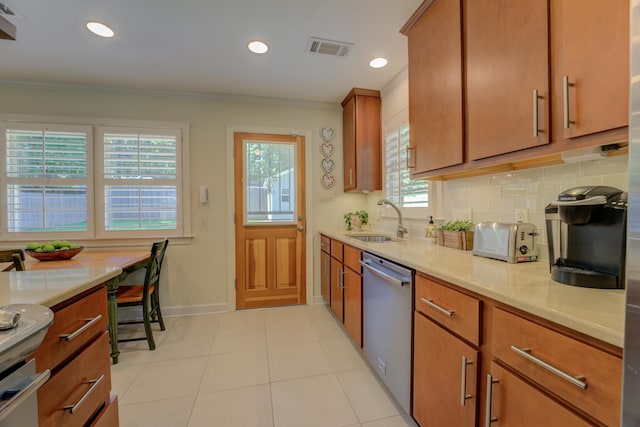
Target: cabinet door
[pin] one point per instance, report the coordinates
(595, 61)
(349, 143)
(440, 377)
(435, 88)
(507, 53)
(515, 403)
(337, 281)
(353, 305)
(325, 276)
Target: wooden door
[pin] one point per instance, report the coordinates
(337, 281)
(270, 220)
(507, 59)
(435, 88)
(516, 403)
(595, 61)
(439, 375)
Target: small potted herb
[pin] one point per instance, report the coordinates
(355, 220)
(456, 234)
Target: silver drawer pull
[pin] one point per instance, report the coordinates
(95, 383)
(23, 394)
(432, 304)
(578, 381)
(90, 323)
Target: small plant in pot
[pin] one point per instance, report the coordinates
(356, 220)
(456, 234)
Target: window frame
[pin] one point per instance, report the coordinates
(94, 236)
(393, 125)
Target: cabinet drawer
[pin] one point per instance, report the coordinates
(525, 345)
(325, 244)
(71, 384)
(108, 417)
(352, 258)
(55, 347)
(336, 249)
(456, 311)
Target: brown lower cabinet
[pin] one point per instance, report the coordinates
(480, 362)
(76, 350)
(445, 372)
(353, 304)
(513, 402)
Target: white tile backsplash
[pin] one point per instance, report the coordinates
(495, 197)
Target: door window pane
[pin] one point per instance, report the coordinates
(269, 182)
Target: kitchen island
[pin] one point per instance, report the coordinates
(76, 347)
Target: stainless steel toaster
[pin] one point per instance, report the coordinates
(510, 242)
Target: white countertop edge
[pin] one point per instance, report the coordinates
(413, 253)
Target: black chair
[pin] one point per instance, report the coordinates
(146, 295)
(15, 257)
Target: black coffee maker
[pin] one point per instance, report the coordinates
(586, 235)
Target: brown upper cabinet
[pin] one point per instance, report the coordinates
(507, 76)
(362, 140)
(506, 84)
(435, 82)
(592, 67)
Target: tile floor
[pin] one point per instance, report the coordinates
(281, 367)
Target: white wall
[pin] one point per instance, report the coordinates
(197, 273)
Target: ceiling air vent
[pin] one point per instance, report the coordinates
(328, 47)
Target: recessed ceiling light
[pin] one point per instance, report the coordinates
(100, 29)
(378, 62)
(257, 46)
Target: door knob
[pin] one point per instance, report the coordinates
(300, 228)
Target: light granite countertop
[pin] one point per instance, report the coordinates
(50, 287)
(598, 313)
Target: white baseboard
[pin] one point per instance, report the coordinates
(318, 299)
(127, 314)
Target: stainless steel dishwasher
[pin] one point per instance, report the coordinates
(386, 323)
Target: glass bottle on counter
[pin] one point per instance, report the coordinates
(431, 231)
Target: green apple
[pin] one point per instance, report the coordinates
(39, 250)
(48, 248)
(73, 246)
(64, 248)
(33, 246)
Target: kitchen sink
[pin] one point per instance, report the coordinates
(373, 238)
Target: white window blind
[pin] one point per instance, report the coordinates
(400, 188)
(140, 181)
(47, 175)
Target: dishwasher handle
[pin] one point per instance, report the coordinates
(389, 278)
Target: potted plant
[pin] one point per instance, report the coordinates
(355, 220)
(456, 234)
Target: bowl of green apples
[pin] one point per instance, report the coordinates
(53, 251)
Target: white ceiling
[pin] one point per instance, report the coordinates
(200, 45)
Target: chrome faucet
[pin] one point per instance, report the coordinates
(400, 230)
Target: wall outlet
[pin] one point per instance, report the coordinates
(522, 215)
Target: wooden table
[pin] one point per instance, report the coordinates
(129, 260)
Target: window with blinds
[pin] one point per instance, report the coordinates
(139, 180)
(46, 175)
(58, 183)
(400, 188)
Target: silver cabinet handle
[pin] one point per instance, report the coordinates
(565, 99)
(536, 97)
(488, 419)
(411, 165)
(95, 383)
(579, 381)
(340, 277)
(463, 386)
(442, 310)
(25, 393)
(90, 323)
(350, 176)
(390, 279)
